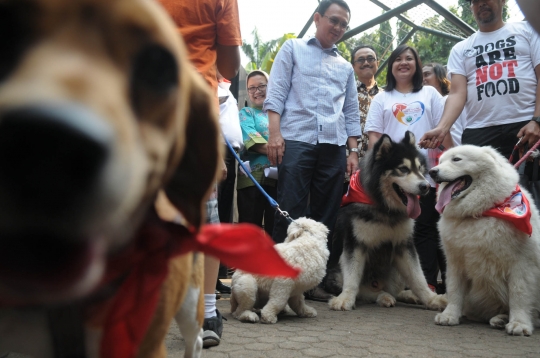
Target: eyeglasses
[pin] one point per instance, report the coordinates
(361, 60)
(254, 89)
(333, 21)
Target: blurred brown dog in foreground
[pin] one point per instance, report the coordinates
(99, 111)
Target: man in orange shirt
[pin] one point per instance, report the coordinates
(211, 31)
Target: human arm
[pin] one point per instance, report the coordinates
(260, 148)
(352, 159)
(228, 60)
(229, 39)
(278, 91)
(375, 122)
(252, 138)
(276, 143)
(531, 131)
(531, 9)
(452, 109)
(373, 137)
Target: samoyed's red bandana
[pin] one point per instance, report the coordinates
(356, 193)
(515, 209)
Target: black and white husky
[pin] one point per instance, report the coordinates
(379, 257)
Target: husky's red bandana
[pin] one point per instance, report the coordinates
(356, 193)
(515, 209)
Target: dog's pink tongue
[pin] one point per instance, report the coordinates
(445, 196)
(413, 206)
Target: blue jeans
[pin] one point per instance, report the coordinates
(309, 174)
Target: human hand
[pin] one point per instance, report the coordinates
(432, 139)
(530, 133)
(275, 148)
(352, 163)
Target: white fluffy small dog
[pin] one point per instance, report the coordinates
(304, 248)
(493, 269)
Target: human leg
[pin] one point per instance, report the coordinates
(426, 238)
(213, 325)
(294, 180)
(325, 200)
(226, 189)
(250, 209)
(269, 211)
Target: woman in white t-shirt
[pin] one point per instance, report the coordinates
(408, 105)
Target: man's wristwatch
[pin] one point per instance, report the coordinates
(536, 119)
(355, 150)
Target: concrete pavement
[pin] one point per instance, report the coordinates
(370, 330)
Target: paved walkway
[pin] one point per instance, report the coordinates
(370, 330)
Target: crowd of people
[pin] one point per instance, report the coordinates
(315, 116)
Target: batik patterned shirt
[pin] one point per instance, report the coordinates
(364, 100)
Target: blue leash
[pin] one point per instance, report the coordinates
(272, 202)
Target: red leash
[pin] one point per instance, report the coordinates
(525, 156)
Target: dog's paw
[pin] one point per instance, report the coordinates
(437, 303)
(247, 316)
(407, 296)
(267, 317)
(516, 328)
(341, 303)
(308, 312)
(444, 319)
(386, 300)
(499, 321)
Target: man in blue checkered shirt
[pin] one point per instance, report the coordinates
(313, 112)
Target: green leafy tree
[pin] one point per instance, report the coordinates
(432, 48)
(261, 54)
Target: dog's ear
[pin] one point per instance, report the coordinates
(192, 181)
(383, 147)
(409, 139)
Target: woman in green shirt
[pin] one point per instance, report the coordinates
(253, 206)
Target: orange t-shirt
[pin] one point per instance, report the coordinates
(204, 24)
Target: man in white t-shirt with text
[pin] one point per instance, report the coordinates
(494, 75)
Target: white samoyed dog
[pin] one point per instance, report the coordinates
(493, 268)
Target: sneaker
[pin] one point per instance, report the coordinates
(221, 287)
(212, 330)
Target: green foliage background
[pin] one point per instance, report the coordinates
(431, 48)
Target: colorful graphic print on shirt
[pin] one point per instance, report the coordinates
(495, 63)
(408, 114)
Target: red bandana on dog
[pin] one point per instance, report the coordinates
(243, 246)
(356, 193)
(516, 209)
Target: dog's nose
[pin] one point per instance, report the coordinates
(424, 187)
(433, 173)
(51, 154)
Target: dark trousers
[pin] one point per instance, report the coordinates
(427, 240)
(309, 173)
(502, 137)
(226, 189)
(253, 206)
